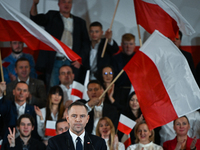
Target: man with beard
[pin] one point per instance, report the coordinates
(25, 125)
(17, 52)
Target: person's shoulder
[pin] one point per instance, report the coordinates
(34, 80)
(132, 147)
(59, 137)
(76, 18)
(117, 56)
(11, 84)
(37, 142)
(6, 59)
(157, 146)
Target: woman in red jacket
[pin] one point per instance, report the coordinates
(182, 141)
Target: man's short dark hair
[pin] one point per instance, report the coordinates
(20, 82)
(77, 103)
(95, 81)
(60, 120)
(96, 24)
(64, 66)
(180, 34)
(32, 120)
(21, 59)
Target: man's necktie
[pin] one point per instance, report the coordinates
(79, 145)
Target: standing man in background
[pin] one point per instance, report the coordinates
(71, 30)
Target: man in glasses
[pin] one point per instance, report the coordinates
(97, 44)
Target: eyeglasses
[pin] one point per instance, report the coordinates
(108, 73)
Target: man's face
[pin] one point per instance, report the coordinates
(95, 33)
(62, 127)
(128, 47)
(16, 46)
(77, 118)
(21, 92)
(177, 41)
(25, 127)
(65, 6)
(94, 90)
(66, 76)
(23, 69)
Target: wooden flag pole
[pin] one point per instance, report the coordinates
(2, 77)
(140, 40)
(106, 42)
(119, 74)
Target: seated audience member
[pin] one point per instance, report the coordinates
(17, 52)
(37, 95)
(76, 137)
(61, 126)
(97, 45)
(25, 125)
(11, 110)
(53, 111)
(106, 130)
(123, 84)
(101, 109)
(167, 132)
(144, 138)
(132, 111)
(182, 140)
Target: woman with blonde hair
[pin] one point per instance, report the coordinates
(106, 130)
(53, 111)
(144, 138)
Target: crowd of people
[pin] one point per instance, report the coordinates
(28, 102)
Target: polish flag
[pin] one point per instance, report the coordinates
(14, 26)
(77, 89)
(50, 128)
(163, 81)
(127, 143)
(161, 15)
(125, 124)
(5, 64)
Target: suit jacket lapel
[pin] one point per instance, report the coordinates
(87, 142)
(69, 142)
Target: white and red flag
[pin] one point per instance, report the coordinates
(163, 81)
(125, 124)
(161, 15)
(14, 26)
(1, 141)
(50, 128)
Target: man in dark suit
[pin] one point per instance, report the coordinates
(37, 89)
(76, 138)
(11, 110)
(101, 109)
(71, 30)
(97, 45)
(25, 125)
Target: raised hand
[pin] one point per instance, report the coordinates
(194, 141)
(108, 35)
(35, 2)
(38, 112)
(2, 88)
(116, 142)
(179, 143)
(11, 137)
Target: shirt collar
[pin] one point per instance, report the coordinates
(16, 56)
(27, 81)
(22, 106)
(74, 136)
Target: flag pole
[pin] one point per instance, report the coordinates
(140, 40)
(2, 77)
(106, 42)
(119, 74)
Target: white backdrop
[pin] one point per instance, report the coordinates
(102, 11)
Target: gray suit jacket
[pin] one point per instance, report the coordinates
(36, 89)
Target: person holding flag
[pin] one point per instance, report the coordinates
(71, 30)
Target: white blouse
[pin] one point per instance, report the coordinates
(120, 145)
(150, 146)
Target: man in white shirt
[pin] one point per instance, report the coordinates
(76, 138)
(11, 110)
(97, 44)
(37, 95)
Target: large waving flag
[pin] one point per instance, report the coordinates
(162, 80)
(14, 26)
(161, 15)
